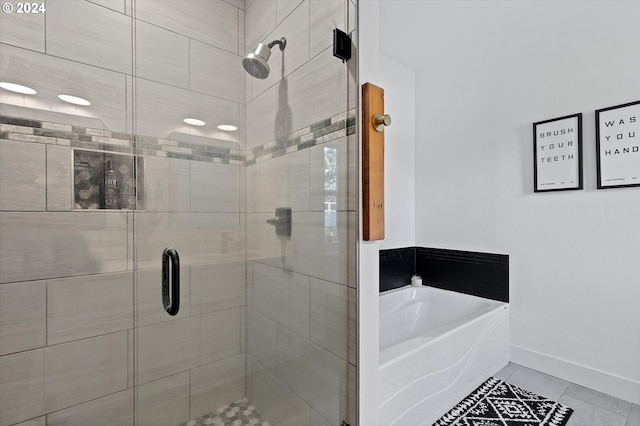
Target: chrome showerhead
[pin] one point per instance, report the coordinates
(256, 62)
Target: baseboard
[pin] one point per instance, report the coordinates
(601, 381)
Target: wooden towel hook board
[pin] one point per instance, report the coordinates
(373, 121)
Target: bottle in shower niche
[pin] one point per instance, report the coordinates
(110, 187)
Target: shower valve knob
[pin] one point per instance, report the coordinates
(380, 121)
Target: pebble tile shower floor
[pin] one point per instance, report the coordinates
(237, 413)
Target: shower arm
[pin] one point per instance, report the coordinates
(281, 43)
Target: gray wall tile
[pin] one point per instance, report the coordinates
(214, 23)
(112, 410)
(217, 286)
(161, 110)
(167, 184)
(352, 173)
(352, 394)
(51, 76)
(22, 176)
(260, 17)
(237, 3)
(316, 90)
(207, 61)
(285, 7)
(59, 178)
(198, 237)
(117, 5)
(282, 296)
(219, 335)
(215, 187)
(49, 245)
(274, 400)
(90, 34)
(352, 327)
(22, 29)
(261, 122)
(23, 308)
(313, 373)
(88, 306)
(280, 182)
(157, 359)
(216, 385)
(329, 314)
(149, 303)
(21, 386)
(84, 370)
(241, 38)
(325, 15)
(262, 339)
(40, 421)
(164, 402)
(262, 242)
(162, 55)
(295, 28)
(319, 245)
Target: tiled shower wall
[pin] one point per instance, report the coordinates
(302, 154)
(82, 332)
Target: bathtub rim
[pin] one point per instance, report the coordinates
(387, 361)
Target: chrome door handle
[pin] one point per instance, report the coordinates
(171, 281)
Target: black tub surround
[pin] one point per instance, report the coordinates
(479, 274)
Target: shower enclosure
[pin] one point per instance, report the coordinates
(170, 144)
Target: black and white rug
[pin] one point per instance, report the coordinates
(498, 403)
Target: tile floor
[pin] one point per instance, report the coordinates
(591, 408)
(239, 413)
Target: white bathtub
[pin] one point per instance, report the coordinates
(436, 347)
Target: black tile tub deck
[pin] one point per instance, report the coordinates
(479, 274)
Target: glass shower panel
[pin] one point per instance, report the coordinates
(91, 196)
(187, 70)
(66, 266)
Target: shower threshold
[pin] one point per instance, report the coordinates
(239, 413)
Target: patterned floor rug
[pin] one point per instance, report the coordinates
(498, 403)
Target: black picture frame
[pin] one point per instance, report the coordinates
(618, 145)
(557, 154)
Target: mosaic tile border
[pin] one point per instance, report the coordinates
(336, 127)
(24, 130)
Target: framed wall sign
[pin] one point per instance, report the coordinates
(557, 154)
(618, 145)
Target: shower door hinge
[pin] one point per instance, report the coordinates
(344, 423)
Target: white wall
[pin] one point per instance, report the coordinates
(574, 255)
(398, 83)
(368, 264)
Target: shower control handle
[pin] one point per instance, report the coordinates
(282, 221)
(380, 121)
(171, 281)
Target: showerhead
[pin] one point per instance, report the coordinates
(256, 62)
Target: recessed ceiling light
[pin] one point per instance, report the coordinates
(17, 88)
(194, 122)
(227, 128)
(74, 100)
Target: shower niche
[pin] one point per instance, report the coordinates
(107, 181)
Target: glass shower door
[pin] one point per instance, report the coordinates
(190, 361)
